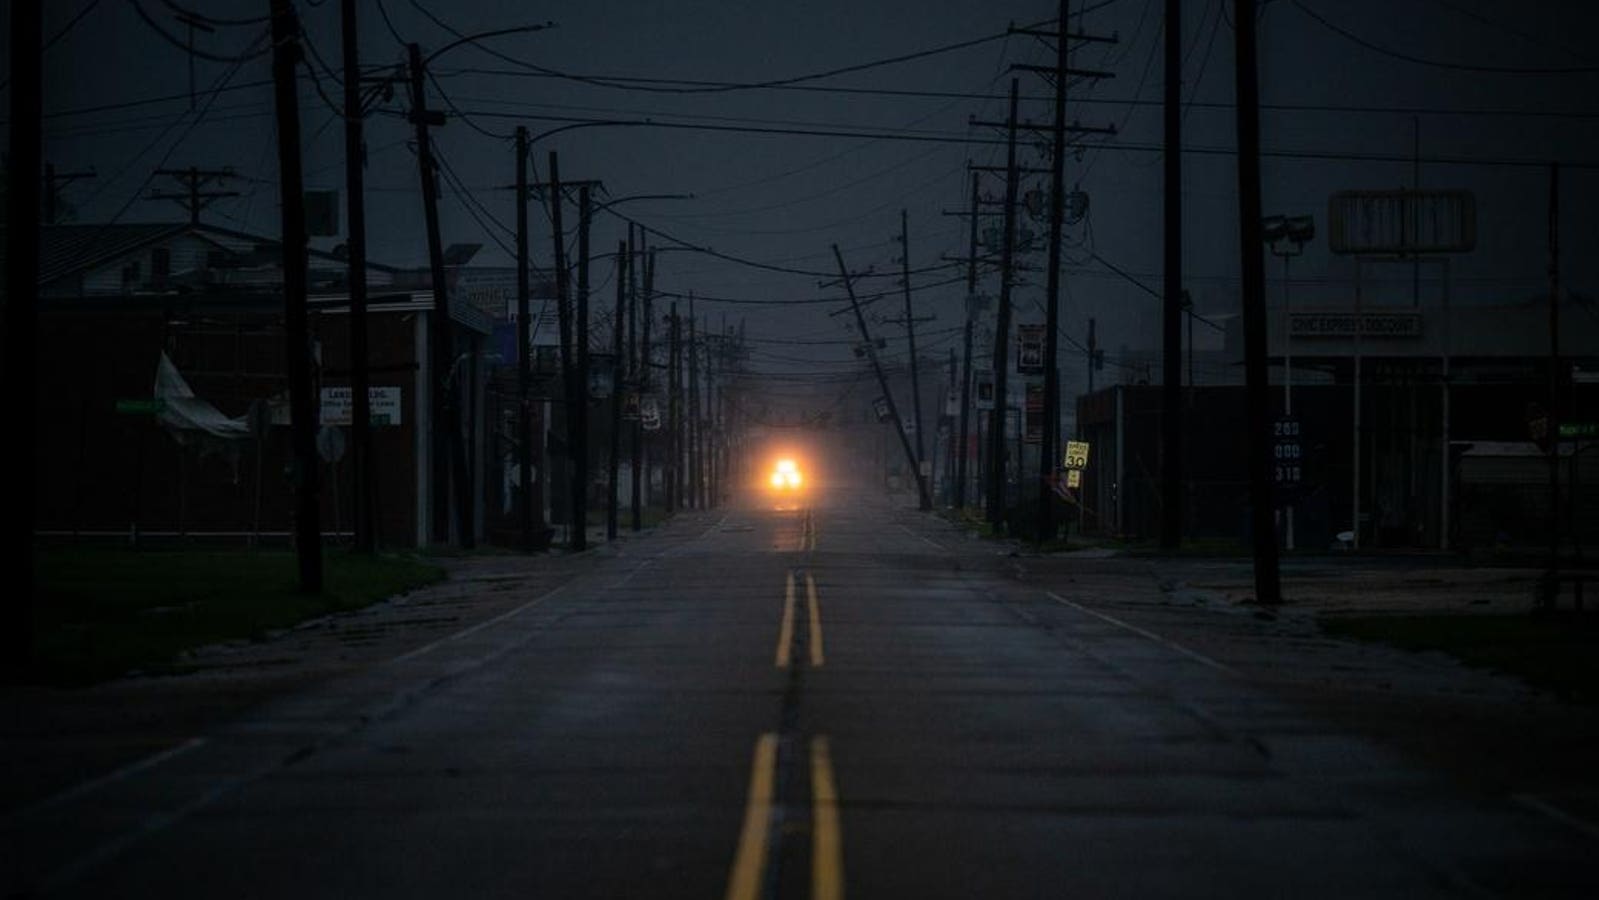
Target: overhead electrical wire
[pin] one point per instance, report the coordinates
(724, 87)
(1391, 53)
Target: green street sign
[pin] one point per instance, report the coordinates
(1575, 430)
(144, 407)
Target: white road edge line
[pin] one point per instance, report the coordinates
(110, 778)
(922, 537)
(1588, 829)
(474, 629)
(1200, 658)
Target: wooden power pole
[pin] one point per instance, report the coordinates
(1268, 589)
(296, 325)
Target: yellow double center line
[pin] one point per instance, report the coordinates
(754, 840)
(807, 537)
(785, 632)
(749, 876)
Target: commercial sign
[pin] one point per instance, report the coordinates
(1029, 349)
(338, 404)
(984, 388)
(1402, 222)
(1287, 454)
(1571, 431)
(489, 292)
(1365, 324)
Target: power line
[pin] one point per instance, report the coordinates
(1436, 63)
(189, 49)
(723, 87)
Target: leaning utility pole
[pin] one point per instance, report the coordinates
(576, 394)
(910, 336)
(20, 356)
(529, 505)
(1171, 414)
(296, 326)
(355, 200)
(1268, 589)
(618, 376)
(966, 350)
(882, 381)
(996, 427)
(440, 333)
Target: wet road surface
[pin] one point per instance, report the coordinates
(840, 698)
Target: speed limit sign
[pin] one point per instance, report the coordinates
(1076, 455)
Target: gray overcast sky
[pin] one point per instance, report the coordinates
(785, 198)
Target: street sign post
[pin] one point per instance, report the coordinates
(1076, 456)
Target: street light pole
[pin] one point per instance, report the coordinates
(1287, 236)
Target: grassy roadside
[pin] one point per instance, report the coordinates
(1555, 651)
(105, 611)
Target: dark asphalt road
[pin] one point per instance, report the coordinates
(848, 699)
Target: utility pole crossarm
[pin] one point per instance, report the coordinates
(1025, 125)
(1070, 36)
(1051, 70)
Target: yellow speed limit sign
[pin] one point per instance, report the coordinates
(1076, 454)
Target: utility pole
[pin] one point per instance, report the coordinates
(674, 414)
(882, 382)
(296, 326)
(1552, 584)
(20, 359)
(440, 332)
(1268, 589)
(618, 378)
(530, 505)
(1057, 199)
(949, 450)
(1057, 74)
(193, 22)
(1093, 353)
(642, 379)
(966, 349)
(695, 500)
(1171, 417)
(910, 335)
(355, 199)
(576, 394)
(192, 197)
(996, 427)
(579, 415)
(53, 183)
(708, 432)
